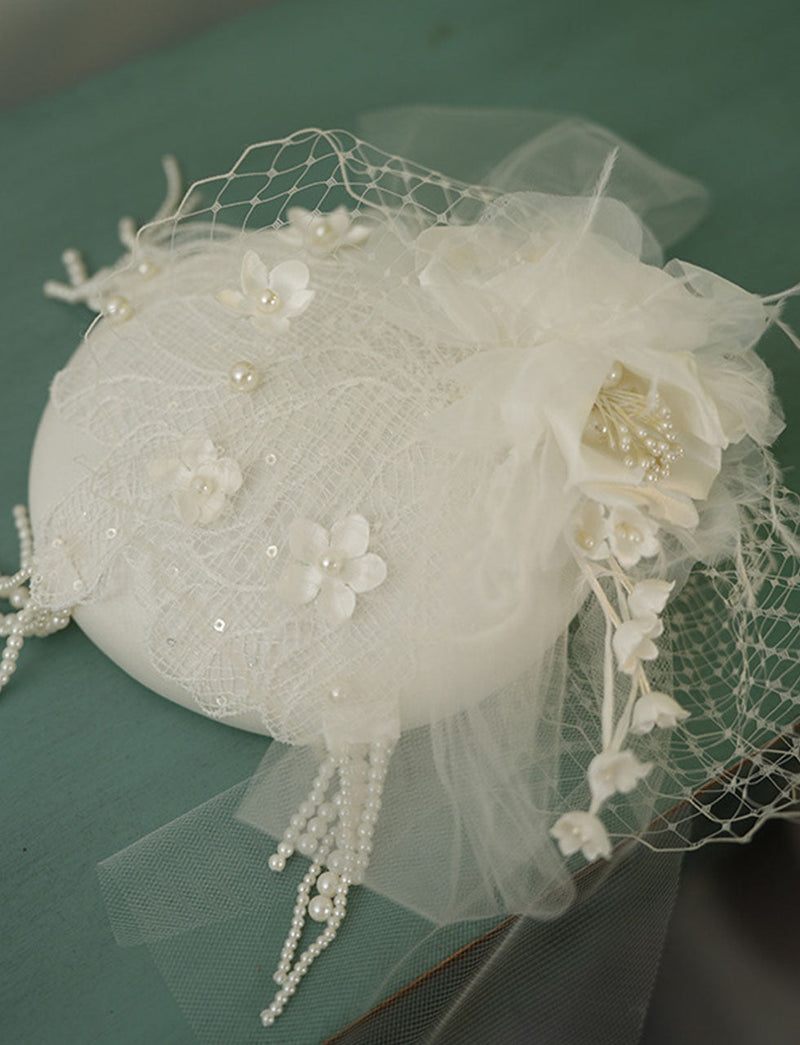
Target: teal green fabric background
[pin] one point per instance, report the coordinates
(90, 761)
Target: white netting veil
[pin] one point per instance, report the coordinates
(453, 490)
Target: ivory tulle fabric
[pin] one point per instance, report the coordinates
(394, 523)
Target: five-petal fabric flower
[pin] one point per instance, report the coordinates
(615, 771)
(332, 568)
(584, 831)
(270, 297)
(323, 233)
(202, 480)
(631, 536)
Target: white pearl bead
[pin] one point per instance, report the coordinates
(147, 269)
(203, 486)
(322, 231)
(628, 533)
(117, 308)
(285, 850)
(320, 908)
(19, 598)
(328, 883)
(307, 845)
(244, 376)
(613, 377)
(268, 301)
(306, 809)
(339, 860)
(585, 540)
(276, 862)
(317, 826)
(330, 564)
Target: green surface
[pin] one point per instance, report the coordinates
(90, 761)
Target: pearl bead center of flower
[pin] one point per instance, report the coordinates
(626, 532)
(203, 486)
(322, 231)
(268, 301)
(331, 564)
(586, 540)
(635, 424)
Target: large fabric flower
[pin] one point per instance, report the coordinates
(269, 297)
(624, 366)
(332, 568)
(202, 480)
(581, 831)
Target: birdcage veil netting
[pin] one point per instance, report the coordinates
(439, 340)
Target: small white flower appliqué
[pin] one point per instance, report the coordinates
(656, 709)
(270, 297)
(611, 772)
(632, 536)
(649, 597)
(201, 479)
(633, 641)
(589, 531)
(323, 233)
(584, 831)
(332, 568)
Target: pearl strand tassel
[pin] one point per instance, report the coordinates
(346, 822)
(29, 619)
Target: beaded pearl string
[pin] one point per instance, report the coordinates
(337, 834)
(29, 619)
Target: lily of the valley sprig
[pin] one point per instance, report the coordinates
(607, 543)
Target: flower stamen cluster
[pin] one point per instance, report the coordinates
(634, 425)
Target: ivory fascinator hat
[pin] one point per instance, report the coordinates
(450, 486)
